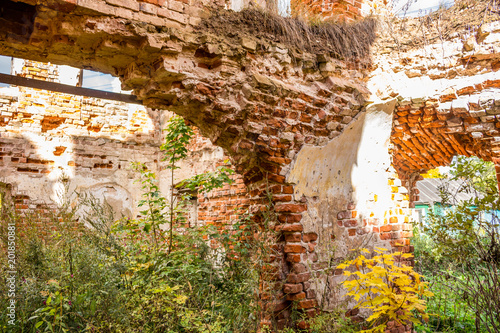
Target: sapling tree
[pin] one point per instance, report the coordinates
(390, 290)
(159, 210)
(175, 149)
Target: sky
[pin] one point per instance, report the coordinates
(419, 7)
(416, 8)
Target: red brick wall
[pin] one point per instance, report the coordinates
(335, 10)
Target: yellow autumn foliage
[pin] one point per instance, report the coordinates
(392, 292)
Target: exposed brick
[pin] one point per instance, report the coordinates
(294, 248)
(292, 257)
(343, 215)
(385, 228)
(299, 268)
(289, 288)
(296, 297)
(310, 237)
(297, 278)
(130, 4)
(307, 304)
(350, 223)
(290, 208)
(293, 237)
(385, 236)
(290, 228)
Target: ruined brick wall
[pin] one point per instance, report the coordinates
(338, 10)
(267, 105)
(220, 207)
(314, 130)
(46, 137)
(447, 91)
(92, 142)
(50, 140)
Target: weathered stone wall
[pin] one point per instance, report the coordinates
(314, 130)
(267, 105)
(48, 138)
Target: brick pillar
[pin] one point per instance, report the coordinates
(284, 276)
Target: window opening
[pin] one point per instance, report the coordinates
(5, 68)
(190, 200)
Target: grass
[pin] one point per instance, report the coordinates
(349, 41)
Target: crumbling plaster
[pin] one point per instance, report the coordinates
(349, 171)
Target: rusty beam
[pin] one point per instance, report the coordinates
(67, 89)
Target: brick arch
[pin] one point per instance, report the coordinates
(258, 100)
(427, 134)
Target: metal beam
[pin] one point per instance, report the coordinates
(67, 89)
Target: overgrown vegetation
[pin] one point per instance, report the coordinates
(154, 274)
(459, 252)
(141, 275)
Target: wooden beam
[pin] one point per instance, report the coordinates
(67, 89)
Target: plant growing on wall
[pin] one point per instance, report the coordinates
(392, 292)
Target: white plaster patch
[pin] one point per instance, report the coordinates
(353, 165)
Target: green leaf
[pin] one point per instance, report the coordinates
(93, 307)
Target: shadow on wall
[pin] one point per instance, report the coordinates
(39, 167)
(51, 139)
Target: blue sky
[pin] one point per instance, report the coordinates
(419, 7)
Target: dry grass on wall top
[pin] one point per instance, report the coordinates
(349, 41)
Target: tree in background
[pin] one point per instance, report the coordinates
(460, 249)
